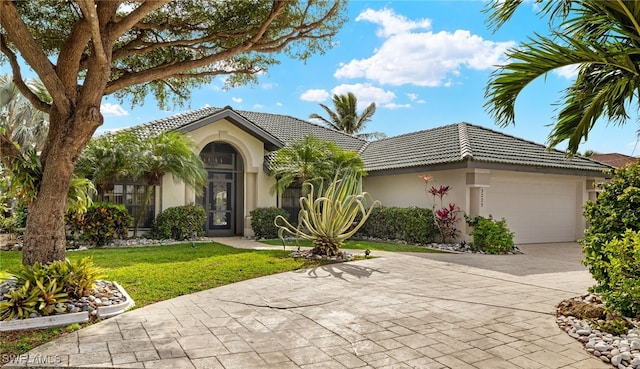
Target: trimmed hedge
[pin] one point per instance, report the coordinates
(179, 223)
(413, 225)
(262, 222)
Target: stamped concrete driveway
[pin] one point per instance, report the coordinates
(396, 311)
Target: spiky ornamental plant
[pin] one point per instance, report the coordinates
(329, 216)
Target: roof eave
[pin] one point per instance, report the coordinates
(271, 142)
(475, 164)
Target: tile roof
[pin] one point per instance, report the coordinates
(614, 159)
(286, 128)
(455, 143)
(464, 141)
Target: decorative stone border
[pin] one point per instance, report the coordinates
(109, 311)
(103, 312)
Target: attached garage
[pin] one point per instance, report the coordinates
(537, 209)
(539, 192)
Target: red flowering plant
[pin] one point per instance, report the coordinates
(446, 217)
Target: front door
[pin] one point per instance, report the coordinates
(223, 197)
(219, 201)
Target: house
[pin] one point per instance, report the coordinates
(539, 192)
(614, 159)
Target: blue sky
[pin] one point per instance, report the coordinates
(424, 63)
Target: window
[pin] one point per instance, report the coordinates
(131, 195)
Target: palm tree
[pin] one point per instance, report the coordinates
(109, 158)
(346, 119)
(20, 121)
(168, 152)
(22, 127)
(600, 38)
(311, 160)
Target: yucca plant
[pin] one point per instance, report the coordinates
(329, 216)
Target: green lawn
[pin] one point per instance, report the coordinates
(155, 273)
(360, 245)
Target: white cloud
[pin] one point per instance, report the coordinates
(113, 110)
(366, 94)
(278, 104)
(393, 106)
(258, 106)
(392, 23)
(568, 72)
(424, 58)
(237, 100)
(269, 86)
(415, 98)
(317, 95)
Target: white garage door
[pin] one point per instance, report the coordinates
(535, 211)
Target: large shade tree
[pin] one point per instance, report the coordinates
(83, 50)
(345, 117)
(600, 38)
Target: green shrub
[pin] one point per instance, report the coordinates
(413, 225)
(41, 287)
(20, 211)
(621, 292)
(179, 223)
(616, 211)
(20, 303)
(8, 224)
(262, 222)
(102, 223)
(77, 277)
(490, 236)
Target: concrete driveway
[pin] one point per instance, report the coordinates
(396, 311)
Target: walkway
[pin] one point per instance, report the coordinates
(396, 311)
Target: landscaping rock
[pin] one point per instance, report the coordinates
(622, 352)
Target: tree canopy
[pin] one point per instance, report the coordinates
(83, 50)
(600, 38)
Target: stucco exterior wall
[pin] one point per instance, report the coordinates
(407, 190)
(538, 207)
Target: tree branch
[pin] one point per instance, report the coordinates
(88, 8)
(124, 24)
(70, 55)
(17, 78)
(173, 68)
(19, 35)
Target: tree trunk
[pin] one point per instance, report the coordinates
(45, 239)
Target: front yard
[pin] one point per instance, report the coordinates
(156, 273)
